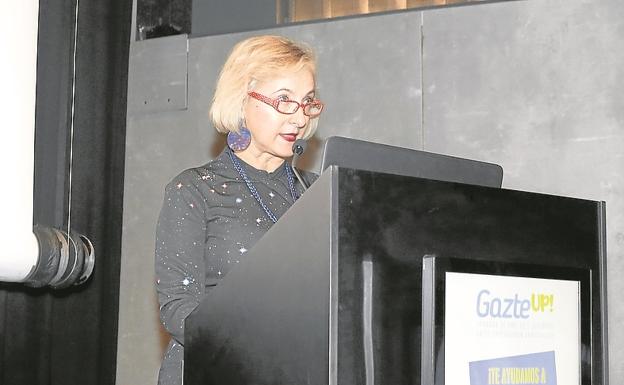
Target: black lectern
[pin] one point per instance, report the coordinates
(332, 293)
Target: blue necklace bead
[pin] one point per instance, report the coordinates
(254, 192)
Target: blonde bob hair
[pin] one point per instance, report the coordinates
(254, 60)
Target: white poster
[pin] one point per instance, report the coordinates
(511, 330)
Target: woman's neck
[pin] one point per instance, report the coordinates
(260, 160)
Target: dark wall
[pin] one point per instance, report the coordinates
(213, 17)
(69, 336)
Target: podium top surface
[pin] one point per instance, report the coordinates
(369, 156)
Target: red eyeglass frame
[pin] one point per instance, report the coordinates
(275, 102)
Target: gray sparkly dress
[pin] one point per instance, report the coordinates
(208, 222)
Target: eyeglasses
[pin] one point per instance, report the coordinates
(312, 108)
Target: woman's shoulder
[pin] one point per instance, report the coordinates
(213, 170)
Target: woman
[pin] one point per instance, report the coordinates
(212, 215)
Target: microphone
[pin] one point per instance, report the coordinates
(298, 149)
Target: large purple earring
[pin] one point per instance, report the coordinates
(238, 141)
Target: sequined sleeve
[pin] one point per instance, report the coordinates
(180, 240)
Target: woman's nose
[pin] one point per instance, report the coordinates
(298, 118)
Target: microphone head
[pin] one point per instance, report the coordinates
(299, 147)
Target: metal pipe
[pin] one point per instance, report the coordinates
(38, 256)
(18, 74)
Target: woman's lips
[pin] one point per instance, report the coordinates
(289, 137)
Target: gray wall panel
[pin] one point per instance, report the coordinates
(158, 68)
(535, 86)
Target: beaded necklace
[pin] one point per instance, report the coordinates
(252, 189)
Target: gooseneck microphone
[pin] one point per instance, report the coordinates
(298, 149)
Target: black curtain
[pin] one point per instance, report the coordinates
(69, 336)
